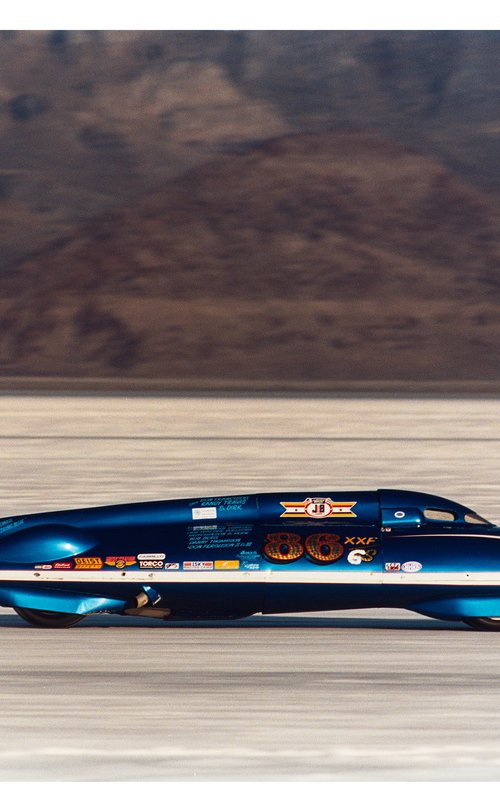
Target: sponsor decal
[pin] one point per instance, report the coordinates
(208, 537)
(8, 525)
(317, 508)
(63, 565)
(43, 566)
(411, 566)
(88, 563)
(150, 565)
(361, 556)
(198, 565)
(226, 565)
(392, 566)
(170, 565)
(151, 556)
(324, 547)
(204, 513)
(120, 561)
(361, 540)
(247, 565)
(283, 547)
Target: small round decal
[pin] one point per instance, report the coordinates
(399, 514)
(411, 566)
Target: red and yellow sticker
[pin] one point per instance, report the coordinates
(88, 563)
(120, 561)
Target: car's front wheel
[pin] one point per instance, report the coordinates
(485, 624)
(48, 620)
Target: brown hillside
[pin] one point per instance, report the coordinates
(89, 120)
(312, 256)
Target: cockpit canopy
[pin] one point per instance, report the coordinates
(410, 508)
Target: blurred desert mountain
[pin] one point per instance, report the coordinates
(91, 119)
(250, 205)
(311, 257)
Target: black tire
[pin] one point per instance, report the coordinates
(48, 620)
(484, 624)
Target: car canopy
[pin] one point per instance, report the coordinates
(399, 507)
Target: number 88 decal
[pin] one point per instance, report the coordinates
(322, 548)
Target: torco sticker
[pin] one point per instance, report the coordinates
(392, 567)
(151, 565)
(361, 556)
(88, 563)
(204, 513)
(198, 565)
(120, 561)
(317, 508)
(227, 565)
(411, 566)
(151, 556)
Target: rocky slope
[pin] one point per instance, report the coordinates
(91, 119)
(321, 256)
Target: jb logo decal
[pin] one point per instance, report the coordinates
(317, 508)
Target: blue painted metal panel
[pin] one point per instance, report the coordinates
(57, 600)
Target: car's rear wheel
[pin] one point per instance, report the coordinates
(48, 620)
(485, 624)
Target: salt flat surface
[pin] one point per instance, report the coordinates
(376, 695)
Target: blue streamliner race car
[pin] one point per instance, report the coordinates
(233, 556)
